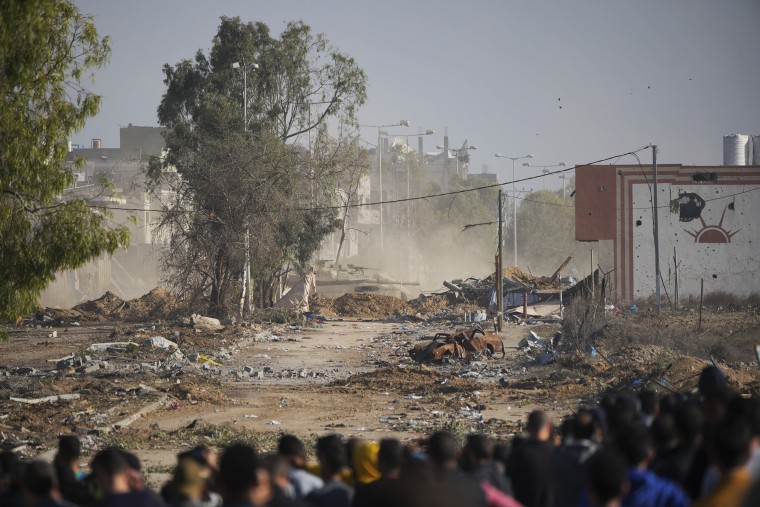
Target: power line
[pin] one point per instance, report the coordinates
(473, 189)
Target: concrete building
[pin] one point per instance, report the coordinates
(708, 221)
(130, 272)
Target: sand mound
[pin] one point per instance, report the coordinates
(370, 306)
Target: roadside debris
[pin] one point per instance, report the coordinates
(47, 399)
(159, 342)
(208, 324)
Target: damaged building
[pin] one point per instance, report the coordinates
(708, 221)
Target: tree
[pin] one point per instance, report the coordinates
(46, 47)
(271, 172)
(546, 233)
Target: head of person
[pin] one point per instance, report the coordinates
(442, 449)
(606, 478)
(243, 479)
(478, 449)
(206, 461)
(634, 442)
(331, 454)
(711, 380)
(134, 471)
(38, 481)
(190, 479)
(111, 471)
(586, 426)
(279, 471)
(539, 427)
(292, 449)
(9, 465)
(365, 462)
(69, 451)
(390, 457)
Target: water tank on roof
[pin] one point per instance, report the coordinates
(735, 149)
(756, 150)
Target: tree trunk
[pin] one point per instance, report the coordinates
(342, 238)
(218, 286)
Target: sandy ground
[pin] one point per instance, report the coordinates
(352, 377)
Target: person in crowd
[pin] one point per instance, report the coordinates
(581, 442)
(674, 463)
(478, 462)
(646, 488)
(191, 484)
(279, 475)
(649, 407)
(331, 454)
(302, 482)
(530, 464)
(117, 480)
(450, 480)
(386, 490)
(68, 473)
(364, 462)
(716, 396)
(10, 480)
(729, 448)
(39, 485)
(606, 483)
(244, 481)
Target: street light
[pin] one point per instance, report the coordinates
(457, 151)
(514, 198)
(245, 297)
(253, 66)
(544, 168)
(401, 123)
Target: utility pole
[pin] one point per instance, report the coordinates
(380, 167)
(656, 230)
(499, 269)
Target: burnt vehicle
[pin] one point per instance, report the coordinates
(464, 344)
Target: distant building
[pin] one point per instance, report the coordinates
(709, 227)
(130, 272)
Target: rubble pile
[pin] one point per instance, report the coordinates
(323, 305)
(519, 276)
(367, 306)
(157, 304)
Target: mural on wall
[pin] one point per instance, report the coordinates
(713, 230)
(713, 233)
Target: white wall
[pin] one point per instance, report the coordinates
(731, 266)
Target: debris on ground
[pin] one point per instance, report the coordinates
(157, 304)
(208, 324)
(462, 344)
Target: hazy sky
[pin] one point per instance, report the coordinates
(677, 73)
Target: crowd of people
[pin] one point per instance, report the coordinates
(632, 449)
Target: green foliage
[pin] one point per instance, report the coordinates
(232, 173)
(546, 234)
(46, 47)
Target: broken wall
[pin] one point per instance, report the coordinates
(709, 215)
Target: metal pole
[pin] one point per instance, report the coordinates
(380, 163)
(656, 231)
(701, 295)
(514, 212)
(675, 269)
(499, 270)
(245, 98)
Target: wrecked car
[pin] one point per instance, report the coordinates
(462, 344)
